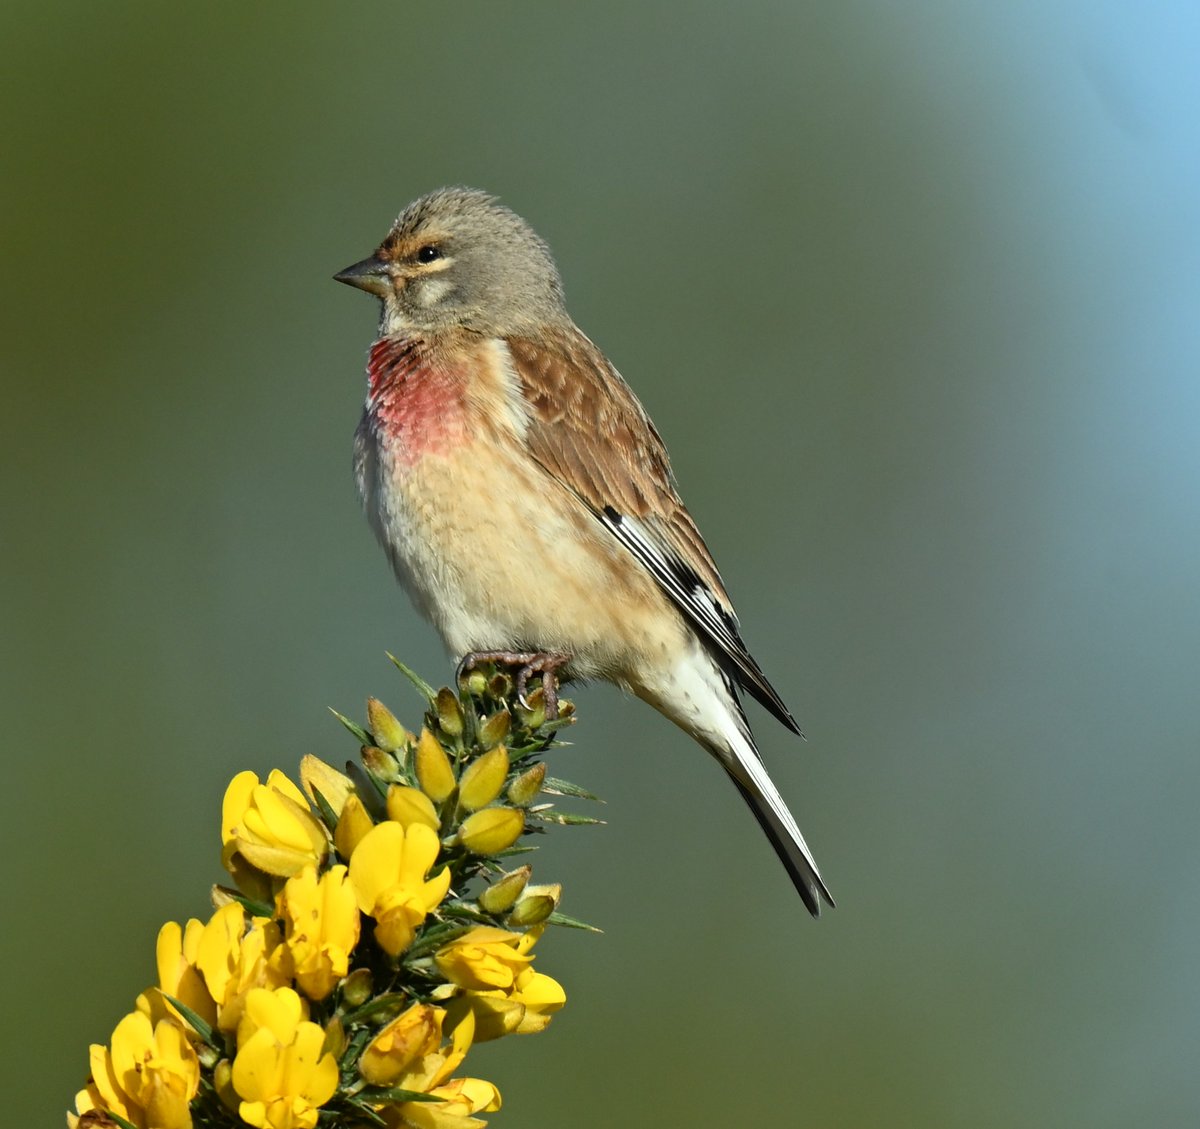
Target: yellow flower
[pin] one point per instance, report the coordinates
(270, 825)
(321, 920)
(281, 1010)
(519, 1001)
(388, 872)
(178, 975)
(234, 959)
(538, 996)
(483, 958)
(282, 1072)
(402, 1046)
(148, 1077)
(409, 1052)
(460, 1097)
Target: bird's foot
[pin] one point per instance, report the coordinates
(525, 663)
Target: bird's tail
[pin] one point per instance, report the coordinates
(698, 697)
(746, 770)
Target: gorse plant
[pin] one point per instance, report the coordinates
(373, 935)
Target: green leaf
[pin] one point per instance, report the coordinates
(327, 813)
(434, 938)
(465, 912)
(364, 738)
(363, 1110)
(557, 787)
(370, 791)
(564, 818)
(373, 1006)
(354, 1046)
(423, 688)
(200, 1026)
(119, 1120)
(394, 1095)
(557, 918)
(253, 908)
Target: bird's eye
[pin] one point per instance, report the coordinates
(429, 253)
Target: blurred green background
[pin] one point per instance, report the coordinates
(911, 290)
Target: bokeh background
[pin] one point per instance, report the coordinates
(912, 292)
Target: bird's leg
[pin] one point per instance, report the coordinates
(525, 663)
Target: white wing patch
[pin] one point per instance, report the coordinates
(693, 597)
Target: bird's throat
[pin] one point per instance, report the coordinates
(416, 398)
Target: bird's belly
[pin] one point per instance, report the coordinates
(500, 556)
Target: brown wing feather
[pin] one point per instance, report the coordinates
(590, 432)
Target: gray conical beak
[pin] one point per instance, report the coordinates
(370, 275)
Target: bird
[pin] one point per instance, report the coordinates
(526, 501)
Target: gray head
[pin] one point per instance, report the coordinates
(457, 257)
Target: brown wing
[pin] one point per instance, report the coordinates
(590, 432)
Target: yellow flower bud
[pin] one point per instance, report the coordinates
(434, 771)
(357, 987)
(535, 716)
(495, 729)
(223, 1084)
(317, 776)
(482, 781)
(389, 734)
(251, 881)
(536, 904)
(477, 683)
(410, 805)
(335, 1037)
(502, 893)
(381, 765)
(353, 824)
(449, 712)
(524, 790)
(492, 830)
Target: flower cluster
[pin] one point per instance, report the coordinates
(372, 937)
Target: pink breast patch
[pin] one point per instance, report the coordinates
(417, 400)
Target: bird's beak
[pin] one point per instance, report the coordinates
(370, 275)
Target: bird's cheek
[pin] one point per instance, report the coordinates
(432, 292)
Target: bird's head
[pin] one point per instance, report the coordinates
(458, 258)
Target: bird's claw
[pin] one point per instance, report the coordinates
(525, 663)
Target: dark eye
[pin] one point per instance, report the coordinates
(429, 253)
